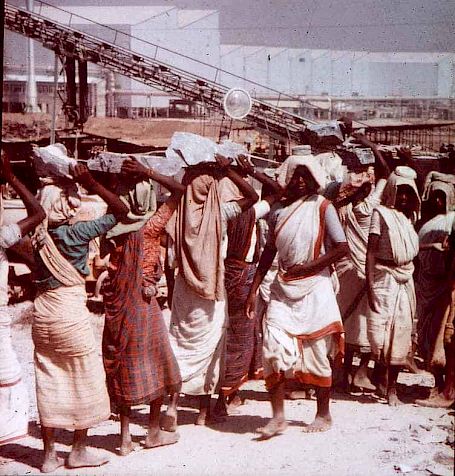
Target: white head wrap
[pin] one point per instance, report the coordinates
(60, 202)
(287, 169)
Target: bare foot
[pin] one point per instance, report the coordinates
(220, 409)
(392, 398)
(319, 424)
(296, 395)
(85, 458)
(273, 427)
(235, 402)
(363, 382)
(127, 448)
(169, 421)
(411, 365)
(51, 463)
(202, 418)
(162, 438)
(437, 401)
(381, 390)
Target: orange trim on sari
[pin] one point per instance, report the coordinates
(11, 384)
(311, 379)
(230, 390)
(273, 380)
(333, 328)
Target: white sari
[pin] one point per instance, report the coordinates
(390, 328)
(303, 313)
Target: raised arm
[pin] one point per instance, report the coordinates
(273, 185)
(82, 175)
(135, 169)
(35, 213)
(381, 169)
(250, 197)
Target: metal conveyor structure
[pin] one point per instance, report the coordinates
(67, 41)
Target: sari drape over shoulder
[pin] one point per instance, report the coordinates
(390, 328)
(302, 325)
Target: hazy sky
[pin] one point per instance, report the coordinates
(374, 25)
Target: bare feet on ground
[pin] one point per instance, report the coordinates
(300, 394)
(161, 438)
(363, 382)
(318, 425)
(274, 427)
(127, 447)
(436, 401)
(51, 463)
(85, 458)
(220, 411)
(235, 402)
(381, 390)
(392, 398)
(169, 421)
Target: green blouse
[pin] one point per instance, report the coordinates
(73, 243)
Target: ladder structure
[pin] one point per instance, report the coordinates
(67, 41)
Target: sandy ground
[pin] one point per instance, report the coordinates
(368, 437)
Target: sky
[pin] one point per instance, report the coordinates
(370, 25)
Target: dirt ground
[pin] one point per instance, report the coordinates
(368, 437)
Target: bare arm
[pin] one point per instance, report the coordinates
(35, 212)
(134, 168)
(316, 266)
(381, 168)
(263, 178)
(83, 176)
(373, 244)
(266, 260)
(250, 197)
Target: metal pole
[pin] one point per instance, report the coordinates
(32, 93)
(54, 99)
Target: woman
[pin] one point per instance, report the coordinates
(302, 325)
(139, 362)
(70, 381)
(352, 296)
(13, 391)
(433, 284)
(392, 246)
(199, 315)
(244, 336)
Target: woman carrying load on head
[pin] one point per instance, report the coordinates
(199, 315)
(13, 391)
(433, 278)
(392, 246)
(139, 362)
(302, 325)
(70, 379)
(355, 213)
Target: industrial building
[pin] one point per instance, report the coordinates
(316, 79)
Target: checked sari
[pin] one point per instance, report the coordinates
(138, 358)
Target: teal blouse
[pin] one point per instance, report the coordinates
(73, 243)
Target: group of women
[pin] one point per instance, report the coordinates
(323, 266)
